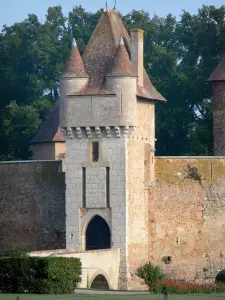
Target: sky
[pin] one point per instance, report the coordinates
(12, 11)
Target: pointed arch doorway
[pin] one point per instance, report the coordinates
(98, 234)
(100, 283)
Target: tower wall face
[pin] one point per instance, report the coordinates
(140, 172)
(68, 85)
(126, 95)
(102, 110)
(219, 117)
(112, 155)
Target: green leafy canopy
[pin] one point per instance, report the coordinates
(179, 56)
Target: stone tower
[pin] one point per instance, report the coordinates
(218, 100)
(107, 114)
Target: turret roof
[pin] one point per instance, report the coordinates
(122, 64)
(219, 73)
(99, 54)
(49, 131)
(74, 65)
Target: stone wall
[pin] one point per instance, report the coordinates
(186, 217)
(139, 169)
(32, 205)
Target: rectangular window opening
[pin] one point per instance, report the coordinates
(84, 187)
(166, 259)
(107, 187)
(95, 151)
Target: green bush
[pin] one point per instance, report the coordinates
(16, 251)
(53, 275)
(220, 277)
(150, 273)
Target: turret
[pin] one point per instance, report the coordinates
(74, 78)
(122, 80)
(218, 101)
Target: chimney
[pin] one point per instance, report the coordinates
(137, 54)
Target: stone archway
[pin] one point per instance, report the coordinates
(100, 283)
(98, 234)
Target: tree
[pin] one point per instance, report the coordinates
(32, 57)
(179, 57)
(20, 124)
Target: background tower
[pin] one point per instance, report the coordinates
(218, 101)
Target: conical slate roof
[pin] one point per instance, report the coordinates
(99, 54)
(74, 65)
(219, 73)
(49, 131)
(122, 64)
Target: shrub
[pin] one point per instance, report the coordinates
(39, 274)
(151, 274)
(16, 251)
(220, 277)
(185, 287)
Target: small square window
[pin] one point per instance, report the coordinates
(95, 151)
(166, 259)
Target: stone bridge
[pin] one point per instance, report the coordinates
(100, 268)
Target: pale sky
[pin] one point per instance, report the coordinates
(12, 11)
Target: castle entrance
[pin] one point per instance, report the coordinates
(100, 283)
(98, 234)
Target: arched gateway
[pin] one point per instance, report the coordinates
(100, 283)
(98, 234)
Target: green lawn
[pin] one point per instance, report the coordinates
(110, 297)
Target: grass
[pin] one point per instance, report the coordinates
(109, 297)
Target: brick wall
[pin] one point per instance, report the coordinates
(32, 205)
(186, 217)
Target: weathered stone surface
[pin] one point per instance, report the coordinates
(32, 205)
(187, 217)
(140, 173)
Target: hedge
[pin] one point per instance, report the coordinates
(40, 275)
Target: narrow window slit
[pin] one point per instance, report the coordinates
(107, 187)
(84, 187)
(95, 151)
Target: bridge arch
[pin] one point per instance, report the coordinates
(100, 282)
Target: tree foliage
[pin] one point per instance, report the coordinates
(179, 57)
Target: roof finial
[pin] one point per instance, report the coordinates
(106, 7)
(121, 43)
(114, 5)
(74, 43)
